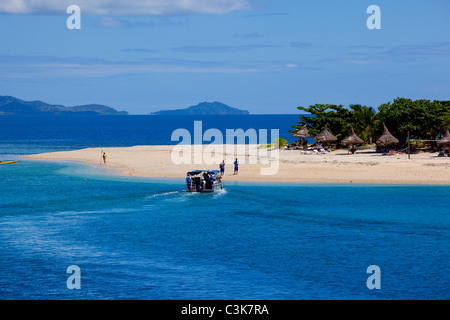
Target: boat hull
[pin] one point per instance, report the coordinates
(8, 162)
(216, 188)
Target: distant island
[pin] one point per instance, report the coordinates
(204, 108)
(10, 105)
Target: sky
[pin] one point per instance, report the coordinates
(267, 57)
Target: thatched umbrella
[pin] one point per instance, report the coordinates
(445, 139)
(352, 139)
(386, 138)
(325, 135)
(303, 133)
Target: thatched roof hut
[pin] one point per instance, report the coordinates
(386, 138)
(325, 135)
(445, 139)
(352, 139)
(302, 133)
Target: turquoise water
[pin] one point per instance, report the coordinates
(148, 239)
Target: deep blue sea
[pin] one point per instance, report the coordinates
(32, 134)
(142, 238)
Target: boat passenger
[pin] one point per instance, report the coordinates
(189, 182)
(211, 182)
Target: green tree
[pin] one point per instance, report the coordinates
(280, 142)
(446, 121)
(365, 121)
(446, 117)
(423, 119)
(338, 118)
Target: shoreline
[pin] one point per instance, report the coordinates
(364, 167)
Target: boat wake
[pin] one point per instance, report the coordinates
(220, 193)
(164, 194)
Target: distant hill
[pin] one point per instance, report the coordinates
(204, 108)
(11, 105)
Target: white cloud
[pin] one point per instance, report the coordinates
(112, 23)
(33, 67)
(124, 7)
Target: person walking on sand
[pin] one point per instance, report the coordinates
(236, 167)
(104, 158)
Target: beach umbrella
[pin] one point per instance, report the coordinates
(352, 139)
(325, 135)
(303, 133)
(386, 138)
(445, 139)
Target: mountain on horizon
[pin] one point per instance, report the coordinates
(204, 108)
(12, 105)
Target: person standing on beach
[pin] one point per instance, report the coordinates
(236, 167)
(104, 158)
(222, 168)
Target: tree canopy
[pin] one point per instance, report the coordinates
(338, 118)
(423, 119)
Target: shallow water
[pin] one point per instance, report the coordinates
(148, 239)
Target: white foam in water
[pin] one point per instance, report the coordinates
(163, 194)
(220, 193)
(106, 211)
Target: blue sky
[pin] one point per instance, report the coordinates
(262, 56)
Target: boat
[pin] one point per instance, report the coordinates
(8, 162)
(205, 181)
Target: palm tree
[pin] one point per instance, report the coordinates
(366, 120)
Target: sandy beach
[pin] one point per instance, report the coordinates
(293, 166)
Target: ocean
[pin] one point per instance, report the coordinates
(38, 134)
(145, 238)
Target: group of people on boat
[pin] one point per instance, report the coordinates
(208, 180)
(202, 180)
